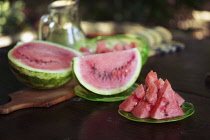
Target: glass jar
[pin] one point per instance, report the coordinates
(62, 24)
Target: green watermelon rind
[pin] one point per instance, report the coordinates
(142, 44)
(86, 85)
(41, 80)
(38, 78)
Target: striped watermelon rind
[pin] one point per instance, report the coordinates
(40, 78)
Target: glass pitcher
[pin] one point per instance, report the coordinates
(62, 24)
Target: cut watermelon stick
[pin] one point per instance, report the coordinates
(179, 99)
(142, 110)
(129, 104)
(156, 99)
(151, 78)
(167, 105)
(144, 107)
(139, 92)
(159, 83)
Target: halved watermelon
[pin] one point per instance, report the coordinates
(42, 64)
(108, 73)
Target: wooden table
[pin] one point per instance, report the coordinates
(81, 119)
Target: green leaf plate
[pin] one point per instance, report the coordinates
(84, 93)
(91, 44)
(187, 107)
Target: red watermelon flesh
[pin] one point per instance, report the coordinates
(179, 99)
(150, 78)
(108, 73)
(151, 94)
(85, 51)
(139, 92)
(166, 106)
(144, 107)
(142, 110)
(128, 46)
(160, 101)
(100, 67)
(44, 56)
(118, 47)
(159, 83)
(102, 48)
(129, 104)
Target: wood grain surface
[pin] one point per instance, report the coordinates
(29, 97)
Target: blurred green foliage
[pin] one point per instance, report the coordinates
(15, 15)
(11, 17)
(143, 11)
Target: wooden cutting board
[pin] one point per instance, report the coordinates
(29, 97)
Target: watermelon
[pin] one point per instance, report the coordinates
(159, 83)
(151, 78)
(166, 106)
(41, 64)
(160, 101)
(129, 104)
(139, 92)
(142, 110)
(103, 44)
(108, 73)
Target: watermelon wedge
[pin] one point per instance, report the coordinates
(129, 104)
(166, 106)
(151, 77)
(144, 107)
(108, 73)
(158, 100)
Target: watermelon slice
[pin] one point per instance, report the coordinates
(144, 107)
(101, 47)
(179, 99)
(159, 83)
(139, 92)
(151, 77)
(157, 100)
(118, 47)
(129, 104)
(108, 73)
(167, 105)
